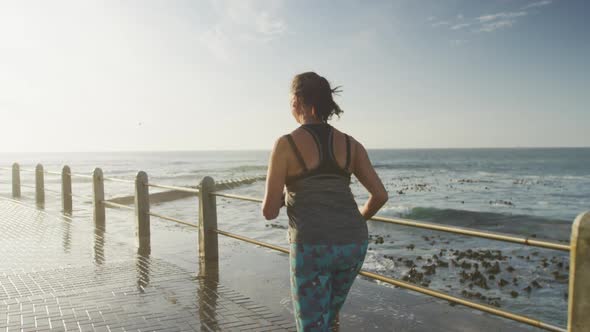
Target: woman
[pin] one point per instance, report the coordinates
(327, 231)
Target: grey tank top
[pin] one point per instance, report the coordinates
(320, 204)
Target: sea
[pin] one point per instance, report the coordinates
(533, 192)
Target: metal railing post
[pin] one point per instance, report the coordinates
(579, 283)
(142, 212)
(208, 251)
(15, 180)
(39, 185)
(98, 202)
(66, 189)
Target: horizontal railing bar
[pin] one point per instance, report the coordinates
(6, 168)
(426, 291)
(474, 232)
(30, 170)
(116, 205)
(52, 173)
(53, 191)
(163, 186)
(250, 240)
(27, 186)
(173, 219)
(119, 180)
(443, 228)
(80, 176)
(244, 198)
(467, 303)
(82, 197)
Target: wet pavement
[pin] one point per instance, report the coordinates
(61, 273)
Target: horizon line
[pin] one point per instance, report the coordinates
(268, 150)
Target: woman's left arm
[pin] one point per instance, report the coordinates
(275, 181)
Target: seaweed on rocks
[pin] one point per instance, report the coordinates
(465, 265)
(429, 269)
(494, 301)
(379, 240)
(559, 277)
(409, 263)
(481, 255)
(494, 269)
(476, 277)
(415, 277)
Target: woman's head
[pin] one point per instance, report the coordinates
(313, 96)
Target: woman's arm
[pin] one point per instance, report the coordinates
(275, 181)
(365, 173)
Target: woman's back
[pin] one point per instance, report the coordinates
(305, 137)
(328, 233)
(320, 204)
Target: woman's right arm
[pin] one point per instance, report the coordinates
(365, 173)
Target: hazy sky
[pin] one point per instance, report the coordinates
(189, 75)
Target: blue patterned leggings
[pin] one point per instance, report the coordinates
(321, 276)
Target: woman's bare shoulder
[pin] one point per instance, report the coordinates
(353, 141)
(282, 143)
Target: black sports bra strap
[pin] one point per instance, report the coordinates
(297, 153)
(317, 142)
(347, 152)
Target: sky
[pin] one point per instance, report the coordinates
(145, 75)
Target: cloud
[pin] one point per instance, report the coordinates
(241, 22)
(269, 26)
(503, 16)
(493, 26)
(493, 22)
(537, 4)
(488, 22)
(460, 26)
(440, 23)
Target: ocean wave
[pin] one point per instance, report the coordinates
(248, 168)
(520, 224)
(398, 210)
(409, 166)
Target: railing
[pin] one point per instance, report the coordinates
(579, 247)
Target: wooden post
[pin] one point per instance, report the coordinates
(142, 210)
(98, 202)
(208, 251)
(39, 185)
(15, 180)
(66, 190)
(579, 283)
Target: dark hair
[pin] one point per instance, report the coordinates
(315, 91)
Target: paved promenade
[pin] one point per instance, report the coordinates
(62, 274)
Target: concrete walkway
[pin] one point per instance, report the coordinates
(63, 274)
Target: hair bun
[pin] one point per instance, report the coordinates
(315, 91)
